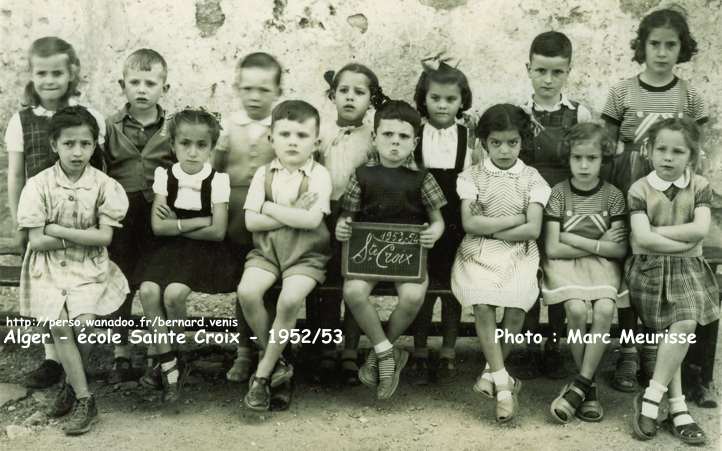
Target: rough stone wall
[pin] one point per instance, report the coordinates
(203, 39)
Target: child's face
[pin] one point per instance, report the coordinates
(443, 101)
(294, 141)
(394, 140)
(670, 155)
(585, 161)
(51, 76)
(548, 74)
(75, 147)
(192, 145)
(503, 148)
(352, 97)
(258, 90)
(143, 88)
(661, 50)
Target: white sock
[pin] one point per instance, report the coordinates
(173, 375)
(654, 392)
(678, 405)
(50, 353)
(383, 346)
(486, 374)
(502, 378)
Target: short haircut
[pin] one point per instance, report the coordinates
(503, 117)
(445, 74)
(664, 18)
(72, 116)
(144, 59)
(195, 116)
(687, 127)
(46, 47)
(551, 44)
(296, 111)
(377, 96)
(400, 111)
(588, 131)
(264, 61)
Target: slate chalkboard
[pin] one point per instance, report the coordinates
(378, 251)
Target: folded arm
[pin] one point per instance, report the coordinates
(553, 246)
(612, 244)
(164, 222)
(692, 231)
(484, 225)
(643, 236)
(217, 230)
(55, 236)
(529, 230)
(297, 218)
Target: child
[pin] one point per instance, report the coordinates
(633, 105)
(584, 232)
(69, 211)
(137, 144)
(189, 219)
(552, 114)
(502, 200)
(671, 285)
(243, 147)
(390, 192)
(55, 75)
(345, 145)
(284, 210)
(442, 96)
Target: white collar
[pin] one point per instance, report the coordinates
(242, 118)
(428, 128)
(516, 169)
(532, 105)
(180, 174)
(306, 168)
(42, 111)
(85, 181)
(662, 185)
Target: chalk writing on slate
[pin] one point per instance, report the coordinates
(378, 251)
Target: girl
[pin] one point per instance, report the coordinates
(584, 231)
(502, 201)
(633, 105)
(442, 96)
(69, 211)
(346, 145)
(190, 216)
(54, 77)
(671, 285)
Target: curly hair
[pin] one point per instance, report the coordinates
(585, 132)
(44, 48)
(195, 116)
(664, 18)
(445, 74)
(687, 127)
(377, 96)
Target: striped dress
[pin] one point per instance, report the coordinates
(490, 271)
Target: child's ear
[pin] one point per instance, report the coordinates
(53, 145)
(416, 142)
(166, 88)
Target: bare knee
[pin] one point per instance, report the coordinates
(684, 327)
(249, 298)
(175, 296)
(576, 311)
(603, 310)
(288, 306)
(149, 294)
(483, 310)
(354, 294)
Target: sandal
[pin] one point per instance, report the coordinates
(506, 408)
(691, 433)
(172, 392)
(484, 386)
(625, 375)
(241, 370)
(281, 397)
(644, 427)
(258, 397)
(591, 410)
(562, 409)
(349, 371)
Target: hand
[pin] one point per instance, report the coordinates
(617, 235)
(343, 229)
(430, 235)
(305, 201)
(163, 211)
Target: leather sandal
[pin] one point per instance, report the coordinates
(691, 433)
(562, 409)
(507, 408)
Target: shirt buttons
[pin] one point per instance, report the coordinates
(64, 292)
(71, 198)
(75, 214)
(63, 264)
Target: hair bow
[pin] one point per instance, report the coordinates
(434, 62)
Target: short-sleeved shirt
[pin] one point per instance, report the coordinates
(189, 186)
(538, 189)
(286, 184)
(586, 202)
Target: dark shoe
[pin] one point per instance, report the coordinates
(644, 427)
(525, 364)
(122, 371)
(152, 378)
(368, 374)
(706, 396)
(46, 375)
(419, 372)
(172, 394)
(625, 375)
(690, 434)
(349, 372)
(281, 397)
(553, 362)
(326, 371)
(64, 402)
(447, 373)
(258, 397)
(83, 417)
(388, 385)
(282, 373)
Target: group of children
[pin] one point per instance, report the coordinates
(184, 203)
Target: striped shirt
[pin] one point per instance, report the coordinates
(585, 202)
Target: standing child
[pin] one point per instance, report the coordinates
(189, 220)
(390, 192)
(442, 96)
(243, 147)
(552, 114)
(633, 106)
(672, 286)
(69, 211)
(345, 145)
(284, 209)
(54, 79)
(137, 144)
(584, 235)
(502, 201)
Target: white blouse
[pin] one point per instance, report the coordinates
(189, 186)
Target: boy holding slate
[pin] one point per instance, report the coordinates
(390, 190)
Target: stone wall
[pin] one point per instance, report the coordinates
(203, 39)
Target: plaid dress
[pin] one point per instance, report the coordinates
(80, 278)
(665, 289)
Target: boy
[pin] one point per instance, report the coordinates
(136, 145)
(552, 114)
(390, 192)
(243, 147)
(285, 206)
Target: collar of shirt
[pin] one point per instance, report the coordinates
(516, 169)
(531, 104)
(86, 180)
(158, 119)
(662, 185)
(193, 181)
(242, 118)
(42, 111)
(306, 168)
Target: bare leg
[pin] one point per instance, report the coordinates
(601, 322)
(254, 284)
(411, 297)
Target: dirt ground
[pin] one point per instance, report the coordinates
(428, 417)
